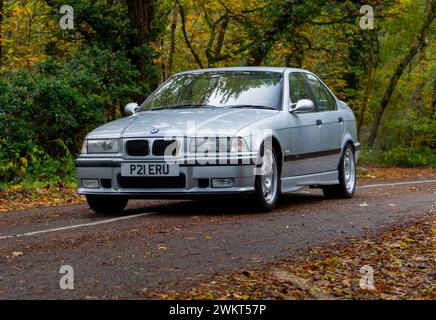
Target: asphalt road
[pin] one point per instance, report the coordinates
(173, 244)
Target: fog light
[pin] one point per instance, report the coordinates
(223, 183)
(90, 183)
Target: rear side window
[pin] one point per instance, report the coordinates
(297, 88)
(324, 99)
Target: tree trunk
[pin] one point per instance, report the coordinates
(416, 99)
(433, 102)
(217, 30)
(221, 35)
(1, 34)
(372, 65)
(399, 70)
(141, 15)
(365, 100)
(169, 69)
(185, 35)
(259, 52)
(212, 34)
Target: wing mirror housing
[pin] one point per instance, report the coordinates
(131, 108)
(303, 105)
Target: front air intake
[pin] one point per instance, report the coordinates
(160, 147)
(137, 148)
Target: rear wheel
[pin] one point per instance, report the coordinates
(347, 177)
(267, 182)
(106, 204)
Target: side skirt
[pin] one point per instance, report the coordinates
(290, 184)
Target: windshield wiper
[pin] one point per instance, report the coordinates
(186, 105)
(251, 106)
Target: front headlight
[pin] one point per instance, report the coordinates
(217, 145)
(208, 145)
(103, 146)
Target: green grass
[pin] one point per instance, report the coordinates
(401, 157)
(44, 173)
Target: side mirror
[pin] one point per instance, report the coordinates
(303, 105)
(131, 108)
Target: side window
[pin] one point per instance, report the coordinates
(323, 98)
(297, 87)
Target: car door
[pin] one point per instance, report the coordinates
(303, 135)
(332, 124)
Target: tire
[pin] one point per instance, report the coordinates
(347, 177)
(267, 186)
(106, 204)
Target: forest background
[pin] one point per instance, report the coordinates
(58, 83)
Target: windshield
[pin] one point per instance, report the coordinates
(237, 89)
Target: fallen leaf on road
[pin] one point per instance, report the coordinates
(402, 258)
(17, 198)
(142, 291)
(301, 283)
(346, 282)
(17, 254)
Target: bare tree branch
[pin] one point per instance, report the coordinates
(185, 35)
(169, 69)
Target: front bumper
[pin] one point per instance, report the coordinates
(195, 178)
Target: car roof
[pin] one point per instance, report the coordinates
(265, 69)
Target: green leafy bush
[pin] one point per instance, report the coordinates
(46, 111)
(400, 157)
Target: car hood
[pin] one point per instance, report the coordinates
(182, 122)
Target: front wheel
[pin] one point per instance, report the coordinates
(267, 182)
(106, 204)
(347, 177)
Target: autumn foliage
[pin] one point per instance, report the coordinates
(57, 84)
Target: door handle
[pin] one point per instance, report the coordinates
(341, 120)
(318, 122)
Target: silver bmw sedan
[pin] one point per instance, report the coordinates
(254, 131)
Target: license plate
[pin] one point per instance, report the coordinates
(149, 169)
